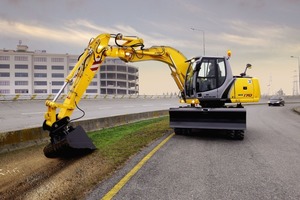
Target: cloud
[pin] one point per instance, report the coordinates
(189, 7)
(13, 2)
(256, 4)
(154, 38)
(74, 32)
(78, 32)
(18, 29)
(244, 40)
(263, 34)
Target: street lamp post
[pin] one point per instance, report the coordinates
(203, 37)
(298, 57)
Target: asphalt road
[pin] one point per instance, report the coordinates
(15, 115)
(206, 165)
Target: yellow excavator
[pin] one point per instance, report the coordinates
(212, 96)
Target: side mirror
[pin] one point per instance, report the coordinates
(247, 66)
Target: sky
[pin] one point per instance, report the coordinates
(264, 33)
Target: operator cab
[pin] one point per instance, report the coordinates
(206, 80)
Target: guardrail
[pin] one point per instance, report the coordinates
(15, 97)
(19, 139)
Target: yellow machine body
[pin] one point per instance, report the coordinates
(245, 90)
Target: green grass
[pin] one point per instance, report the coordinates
(117, 144)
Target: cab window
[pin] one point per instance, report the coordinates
(211, 74)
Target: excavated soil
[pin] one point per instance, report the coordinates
(28, 174)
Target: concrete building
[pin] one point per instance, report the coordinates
(38, 72)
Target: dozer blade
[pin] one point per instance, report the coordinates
(76, 142)
(208, 118)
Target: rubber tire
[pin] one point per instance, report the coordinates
(182, 131)
(239, 135)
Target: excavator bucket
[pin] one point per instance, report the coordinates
(76, 142)
(78, 139)
(232, 119)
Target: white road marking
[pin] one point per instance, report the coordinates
(147, 105)
(129, 106)
(32, 113)
(38, 113)
(104, 108)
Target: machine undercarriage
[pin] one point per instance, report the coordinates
(230, 120)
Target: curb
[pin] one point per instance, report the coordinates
(13, 140)
(297, 110)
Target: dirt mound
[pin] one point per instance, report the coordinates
(28, 174)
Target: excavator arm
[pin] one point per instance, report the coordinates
(128, 49)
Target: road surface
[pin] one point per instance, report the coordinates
(206, 165)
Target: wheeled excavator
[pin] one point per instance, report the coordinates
(212, 96)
